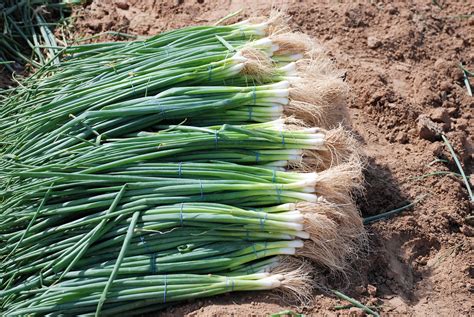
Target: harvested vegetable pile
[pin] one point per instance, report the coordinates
(138, 174)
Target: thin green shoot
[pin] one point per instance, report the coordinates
(393, 212)
(436, 3)
(287, 313)
(436, 160)
(33, 219)
(464, 69)
(435, 174)
(342, 307)
(226, 44)
(94, 237)
(230, 15)
(460, 16)
(458, 164)
(355, 303)
(123, 251)
(112, 33)
(466, 75)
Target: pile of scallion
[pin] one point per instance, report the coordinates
(138, 174)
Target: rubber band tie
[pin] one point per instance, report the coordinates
(254, 94)
(255, 251)
(209, 72)
(242, 33)
(181, 214)
(166, 286)
(278, 191)
(282, 138)
(202, 193)
(153, 263)
(216, 138)
(227, 279)
(152, 256)
(262, 221)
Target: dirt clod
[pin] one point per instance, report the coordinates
(427, 129)
(373, 42)
(372, 290)
(122, 5)
(356, 312)
(440, 115)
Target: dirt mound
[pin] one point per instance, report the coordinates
(402, 63)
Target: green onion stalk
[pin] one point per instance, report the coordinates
(132, 295)
(194, 36)
(138, 114)
(67, 227)
(241, 229)
(28, 127)
(244, 144)
(53, 109)
(179, 50)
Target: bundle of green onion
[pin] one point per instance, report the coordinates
(138, 174)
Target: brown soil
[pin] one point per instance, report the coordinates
(402, 64)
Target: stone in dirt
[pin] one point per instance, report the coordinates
(122, 5)
(372, 290)
(373, 42)
(356, 312)
(427, 129)
(441, 115)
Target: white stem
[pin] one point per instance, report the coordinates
(296, 56)
(235, 69)
(302, 235)
(289, 206)
(313, 130)
(259, 29)
(306, 184)
(312, 198)
(284, 84)
(318, 136)
(295, 226)
(281, 93)
(293, 79)
(289, 217)
(276, 165)
(318, 143)
(238, 58)
(268, 283)
(294, 158)
(244, 22)
(292, 213)
(279, 100)
(288, 251)
(296, 243)
(264, 43)
(261, 275)
(289, 70)
(276, 110)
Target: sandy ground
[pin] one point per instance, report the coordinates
(402, 64)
